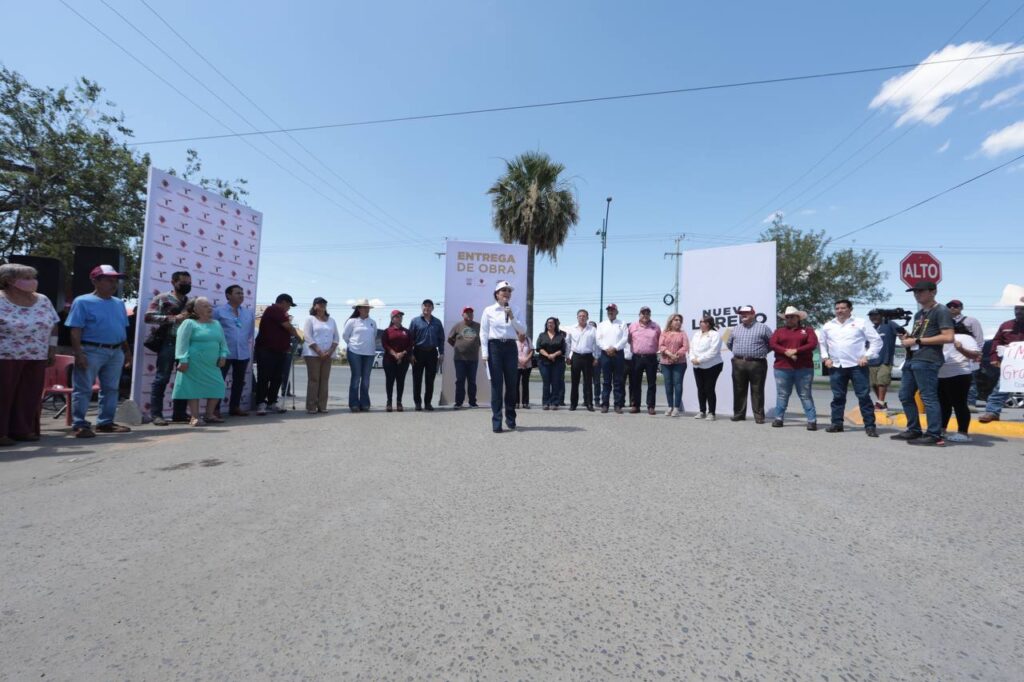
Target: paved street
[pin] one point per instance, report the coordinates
(582, 546)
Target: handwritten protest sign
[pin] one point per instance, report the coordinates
(1011, 369)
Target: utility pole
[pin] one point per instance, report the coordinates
(677, 254)
(603, 234)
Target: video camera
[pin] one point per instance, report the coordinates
(892, 314)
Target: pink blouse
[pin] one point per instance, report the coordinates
(673, 342)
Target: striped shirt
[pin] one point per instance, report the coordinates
(750, 342)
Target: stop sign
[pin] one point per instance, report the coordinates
(920, 266)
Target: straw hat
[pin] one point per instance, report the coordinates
(790, 310)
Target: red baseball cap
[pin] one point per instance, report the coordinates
(105, 271)
(467, 309)
(612, 306)
(397, 312)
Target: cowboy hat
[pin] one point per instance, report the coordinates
(790, 310)
(362, 303)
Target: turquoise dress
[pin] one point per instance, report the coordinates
(200, 344)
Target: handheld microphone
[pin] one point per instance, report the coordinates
(508, 313)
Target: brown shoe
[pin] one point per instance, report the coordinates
(634, 410)
(618, 410)
(650, 410)
(604, 410)
(400, 408)
(84, 432)
(388, 408)
(112, 428)
(986, 417)
(239, 413)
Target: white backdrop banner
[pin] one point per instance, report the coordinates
(214, 239)
(471, 271)
(717, 282)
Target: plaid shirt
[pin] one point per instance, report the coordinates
(750, 342)
(162, 310)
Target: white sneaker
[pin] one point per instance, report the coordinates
(958, 437)
(277, 409)
(711, 417)
(701, 415)
(670, 412)
(261, 409)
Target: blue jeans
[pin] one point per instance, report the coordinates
(359, 382)
(923, 377)
(552, 376)
(166, 365)
(996, 400)
(788, 379)
(839, 378)
(612, 368)
(107, 364)
(503, 365)
(465, 374)
(674, 384)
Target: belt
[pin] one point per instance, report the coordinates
(644, 355)
(749, 358)
(114, 346)
(490, 341)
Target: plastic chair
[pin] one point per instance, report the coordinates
(57, 383)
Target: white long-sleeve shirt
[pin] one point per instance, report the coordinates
(705, 349)
(612, 335)
(582, 340)
(360, 336)
(493, 325)
(846, 343)
(322, 334)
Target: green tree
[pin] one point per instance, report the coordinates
(532, 205)
(68, 177)
(812, 277)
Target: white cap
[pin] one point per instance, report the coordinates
(502, 285)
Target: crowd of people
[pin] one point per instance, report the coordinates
(199, 344)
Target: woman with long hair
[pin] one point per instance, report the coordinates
(961, 361)
(360, 337)
(706, 358)
(397, 343)
(551, 349)
(672, 349)
(321, 335)
(201, 350)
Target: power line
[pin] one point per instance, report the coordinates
(830, 152)
(301, 146)
(585, 100)
(252, 125)
(933, 197)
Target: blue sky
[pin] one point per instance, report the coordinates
(705, 164)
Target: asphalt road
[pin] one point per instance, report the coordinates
(582, 546)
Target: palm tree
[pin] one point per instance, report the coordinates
(532, 206)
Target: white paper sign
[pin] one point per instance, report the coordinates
(1011, 369)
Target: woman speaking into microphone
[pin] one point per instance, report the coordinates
(499, 329)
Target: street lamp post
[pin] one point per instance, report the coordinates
(603, 234)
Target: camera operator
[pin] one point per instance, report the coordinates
(880, 368)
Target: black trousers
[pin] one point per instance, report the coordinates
(582, 365)
(394, 378)
(748, 375)
(426, 361)
(269, 370)
(644, 365)
(953, 398)
(706, 380)
(524, 386)
(238, 369)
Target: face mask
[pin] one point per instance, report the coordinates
(183, 289)
(26, 285)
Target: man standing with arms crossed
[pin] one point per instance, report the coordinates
(582, 344)
(611, 338)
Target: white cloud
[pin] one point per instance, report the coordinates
(771, 217)
(944, 147)
(921, 93)
(1004, 96)
(1016, 168)
(1010, 138)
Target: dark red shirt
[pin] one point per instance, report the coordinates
(273, 336)
(395, 339)
(1007, 333)
(803, 339)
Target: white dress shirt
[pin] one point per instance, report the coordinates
(360, 336)
(493, 325)
(582, 340)
(612, 335)
(321, 334)
(846, 343)
(706, 349)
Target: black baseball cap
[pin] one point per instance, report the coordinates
(924, 285)
(285, 298)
